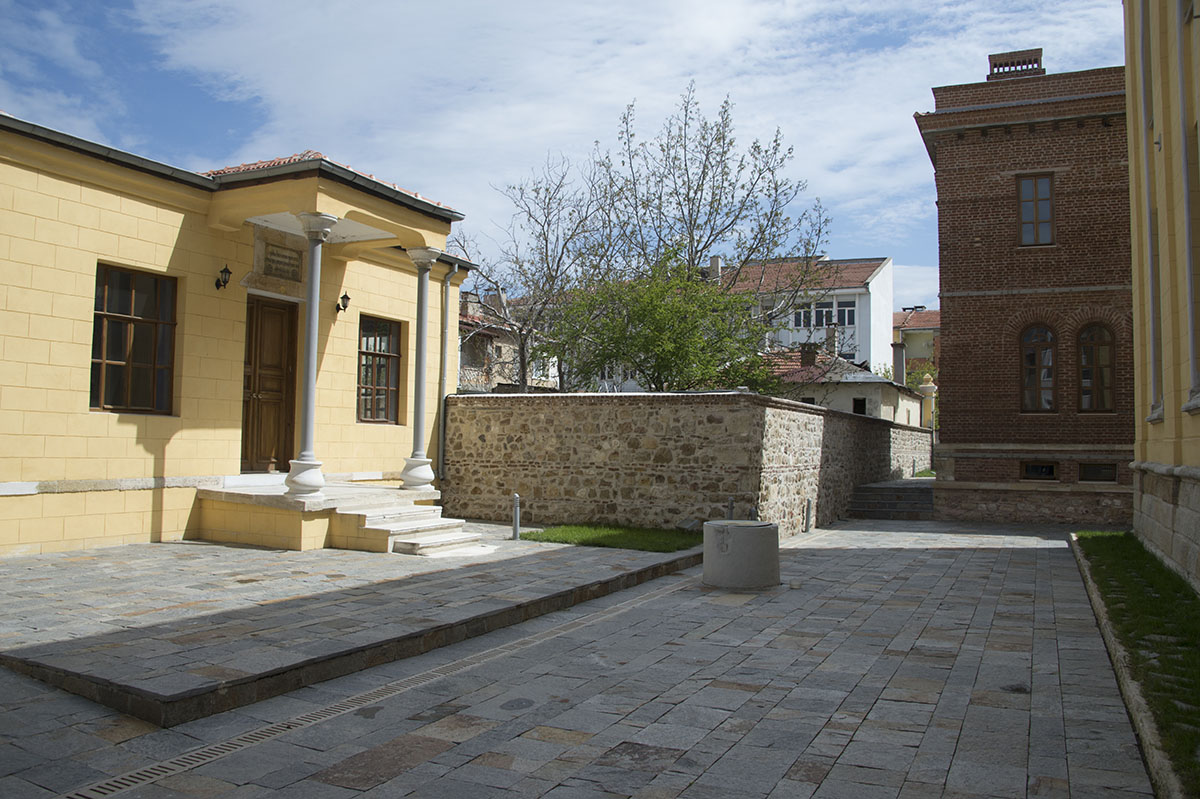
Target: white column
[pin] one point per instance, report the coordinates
(418, 470)
(304, 478)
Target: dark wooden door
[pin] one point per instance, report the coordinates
(268, 385)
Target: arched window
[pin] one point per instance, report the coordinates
(1095, 369)
(1037, 370)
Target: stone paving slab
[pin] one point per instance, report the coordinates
(178, 631)
(896, 660)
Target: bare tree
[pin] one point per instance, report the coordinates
(550, 246)
(691, 192)
(686, 195)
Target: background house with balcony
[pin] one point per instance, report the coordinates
(847, 309)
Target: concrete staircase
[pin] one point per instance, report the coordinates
(398, 524)
(895, 499)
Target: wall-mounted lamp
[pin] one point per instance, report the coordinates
(223, 277)
(342, 304)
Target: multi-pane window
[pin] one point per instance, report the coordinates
(133, 341)
(803, 317)
(1095, 369)
(845, 313)
(1037, 370)
(378, 370)
(824, 315)
(1035, 196)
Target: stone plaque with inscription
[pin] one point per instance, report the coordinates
(282, 262)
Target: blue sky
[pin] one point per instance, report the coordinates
(455, 100)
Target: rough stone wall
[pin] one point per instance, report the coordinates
(1166, 516)
(653, 460)
(1098, 507)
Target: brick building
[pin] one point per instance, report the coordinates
(1036, 382)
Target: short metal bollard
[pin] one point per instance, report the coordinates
(516, 516)
(741, 554)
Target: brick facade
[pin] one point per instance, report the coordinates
(981, 138)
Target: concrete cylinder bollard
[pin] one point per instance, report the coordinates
(741, 554)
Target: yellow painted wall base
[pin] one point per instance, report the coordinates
(262, 526)
(38, 523)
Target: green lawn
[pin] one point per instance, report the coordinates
(599, 535)
(1156, 615)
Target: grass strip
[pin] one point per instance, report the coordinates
(599, 535)
(1156, 616)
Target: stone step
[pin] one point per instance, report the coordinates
(856, 505)
(383, 517)
(900, 515)
(893, 493)
(423, 543)
(402, 526)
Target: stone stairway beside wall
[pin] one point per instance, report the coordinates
(894, 499)
(407, 528)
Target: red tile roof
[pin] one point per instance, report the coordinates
(310, 155)
(788, 366)
(829, 274)
(909, 320)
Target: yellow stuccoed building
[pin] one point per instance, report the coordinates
(1162, 44)
(162, 371)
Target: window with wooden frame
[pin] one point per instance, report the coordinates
(1095, 369)
(378, 370)
(133, 342)
(1037, 370)
(1035, 209)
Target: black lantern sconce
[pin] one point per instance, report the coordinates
(342, 304)
(223, 278)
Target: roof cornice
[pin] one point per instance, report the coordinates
(321, 167)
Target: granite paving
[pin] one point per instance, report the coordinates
(896, 659)
(175, 631)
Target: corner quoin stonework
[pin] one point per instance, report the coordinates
(652, 460)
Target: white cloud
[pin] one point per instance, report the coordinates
(914, 285)
(451, 99)
(37, 44)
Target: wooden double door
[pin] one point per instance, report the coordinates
(269, 385)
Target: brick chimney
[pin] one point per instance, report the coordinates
(1017, 64)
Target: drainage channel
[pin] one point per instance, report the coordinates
(208, 753)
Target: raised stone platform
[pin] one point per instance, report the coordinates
(174, 632)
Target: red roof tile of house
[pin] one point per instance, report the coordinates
(310, 155)
(909, 320)
(829, 273)
(789, 367)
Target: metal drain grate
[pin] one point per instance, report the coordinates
(207, 754)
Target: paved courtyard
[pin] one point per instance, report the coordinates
(897, 659)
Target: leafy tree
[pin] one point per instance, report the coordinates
(668, 328)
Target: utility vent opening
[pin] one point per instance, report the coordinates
(1017, 64)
